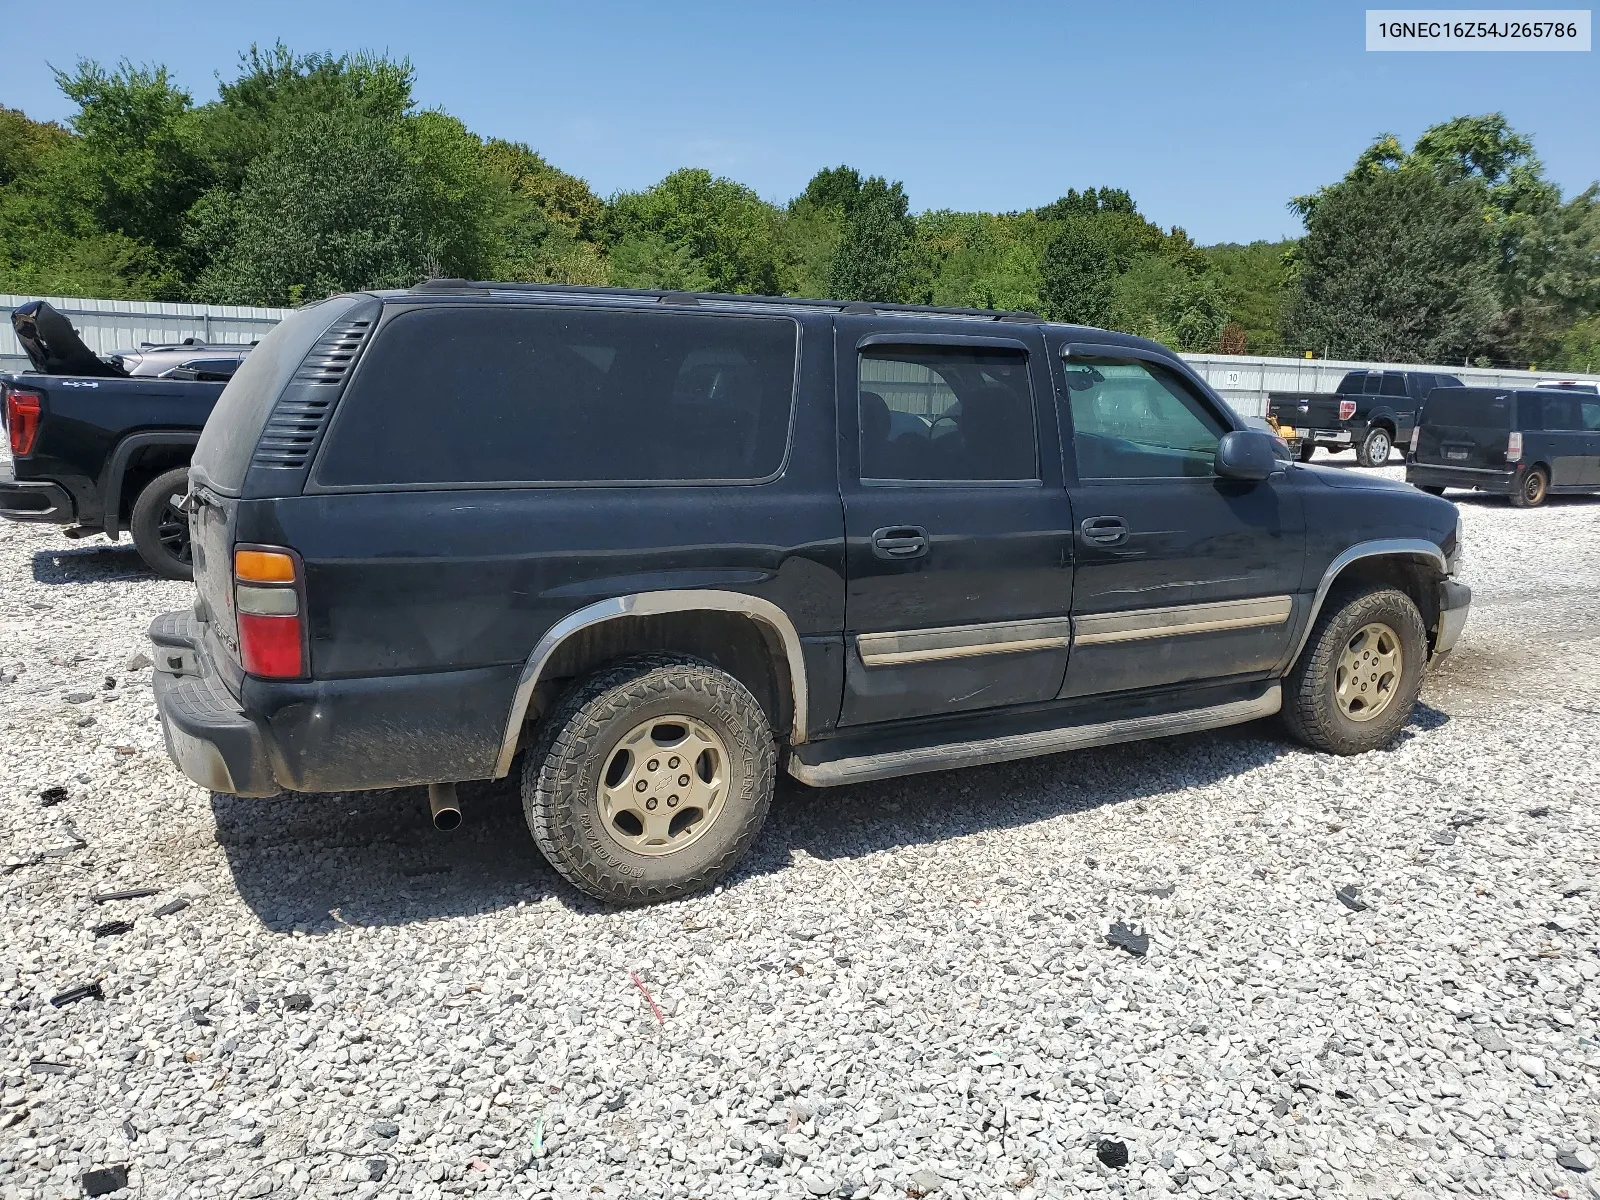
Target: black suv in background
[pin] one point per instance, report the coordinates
(1522, 443)
(663, 545)
(1372, 411)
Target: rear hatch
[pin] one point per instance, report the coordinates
(257, 442)
(1466, 427)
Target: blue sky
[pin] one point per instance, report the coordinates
(1212, 115)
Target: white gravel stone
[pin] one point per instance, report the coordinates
(907, 984)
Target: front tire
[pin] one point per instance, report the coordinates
(1533, 489)
(160, 530)
(1375, 447)
(651, 779)
(1358, 678)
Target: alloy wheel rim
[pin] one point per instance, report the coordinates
(1367, 677)
(1380, 447)
(664, 785)
(172, 530)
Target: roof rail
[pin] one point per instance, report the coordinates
(665, 296)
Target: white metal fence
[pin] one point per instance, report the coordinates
(107, 325)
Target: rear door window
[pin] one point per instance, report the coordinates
(947, 414)
(1352, 382)
(491, 394)
(1373, 384)
(1394, 384)
(1562, 413)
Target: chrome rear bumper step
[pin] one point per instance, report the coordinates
(1007, 748)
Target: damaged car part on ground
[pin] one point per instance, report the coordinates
(661, 545)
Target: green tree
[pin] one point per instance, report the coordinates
(1079, 274)
(871, 261)
(694, 230)
(1397, 264)
(332, 206)
(1253, 281)
(138, 146)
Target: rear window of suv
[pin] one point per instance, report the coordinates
(489, 394)
(1473, 408)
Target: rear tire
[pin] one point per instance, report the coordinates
(1533, 489)
(1307, 449)
(628, 757)
(1357, 680)
(1375, 447)
(159, 530)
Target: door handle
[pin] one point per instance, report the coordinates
(900, 542)
(1104, 531)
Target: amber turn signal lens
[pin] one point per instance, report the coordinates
(262, 566)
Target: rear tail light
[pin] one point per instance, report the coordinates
(1347, 409)
(268, 598)
(1416, 437)
(22, 421)
(1514, 447)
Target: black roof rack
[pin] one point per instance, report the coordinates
(694, 298)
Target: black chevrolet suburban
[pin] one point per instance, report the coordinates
(663, 545)
(1371, 412)
(1524, 443)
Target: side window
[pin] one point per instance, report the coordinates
(1394, 384)
(943, 413)
(511, 394)
(1132, 420)
(1562, 413)
(1352, 382)
(1374, 384)
(1591, 416)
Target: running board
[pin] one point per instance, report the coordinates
(1026, 745)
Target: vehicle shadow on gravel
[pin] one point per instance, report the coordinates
(311, 863)
(100, 563)
(856, 821)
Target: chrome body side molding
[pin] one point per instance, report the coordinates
(1102, 629)
(1381, 548)
(648, 604)
(963, 641)
(1028, 745)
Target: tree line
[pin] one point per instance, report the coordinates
(310, 174)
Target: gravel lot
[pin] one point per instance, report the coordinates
(907, 992)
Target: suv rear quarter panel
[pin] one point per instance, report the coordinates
(424, 605)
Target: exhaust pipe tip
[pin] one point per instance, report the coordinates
(444, 806)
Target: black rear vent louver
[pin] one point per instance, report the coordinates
(298, 417)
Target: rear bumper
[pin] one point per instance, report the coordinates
(1328, 436)
(1455, 602)
(1502, 483)
(324, 735)
(33, 499)
(207, 733)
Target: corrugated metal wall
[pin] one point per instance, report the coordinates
(107, 325)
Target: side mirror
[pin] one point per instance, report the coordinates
(1248, 454)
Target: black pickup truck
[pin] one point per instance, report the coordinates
(97, 451)
(659, 546)
(1372, 411)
